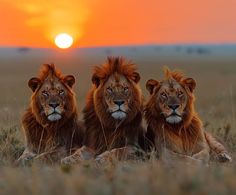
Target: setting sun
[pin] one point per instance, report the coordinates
(63, 41)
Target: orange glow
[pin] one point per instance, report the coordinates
(35, 23)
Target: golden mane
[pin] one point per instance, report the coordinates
(188, 137)
(43, 135)
(47, 69)
(115, 64)
(175, 74)
(189, 130)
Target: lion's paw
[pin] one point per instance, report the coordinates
(73, 159)
(82, 154)
(26, 158)
(224, 157)
(103, 158)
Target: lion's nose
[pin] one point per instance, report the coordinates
(53, 105)
(173, 106)
(119, 102)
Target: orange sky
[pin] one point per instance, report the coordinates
(35, 23)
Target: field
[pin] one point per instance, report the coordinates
(214, 68)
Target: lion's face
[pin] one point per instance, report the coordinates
(172, 101)
(171, 98)
(52, 96)
(120, 95)
(117, 96)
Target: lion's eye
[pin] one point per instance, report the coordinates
(109, 90)
(164, 95)
(180, 93)
(45, 93)
(61, 92)
(126, 89)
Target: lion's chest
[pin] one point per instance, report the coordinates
(182, 144)
(48, 140)
(105, 140)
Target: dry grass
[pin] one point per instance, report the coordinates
(216, 103)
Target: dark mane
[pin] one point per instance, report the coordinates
(115, 64)
(102, 131)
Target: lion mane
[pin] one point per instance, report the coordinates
(188, 130)
(186, 137)
(102, 131)
(42, 135)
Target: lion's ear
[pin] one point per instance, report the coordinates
(135, 77)
(96, 80)
(33, 83)
(190, 83)
(69, 80)
(151, 84)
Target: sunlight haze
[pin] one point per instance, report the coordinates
(35, 23)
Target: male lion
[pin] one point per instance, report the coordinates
(113, 113)
(174, 125)
(50, 124)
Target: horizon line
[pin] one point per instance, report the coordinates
(120, 46)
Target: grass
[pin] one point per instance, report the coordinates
(216, 104)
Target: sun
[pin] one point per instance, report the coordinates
(63, 40)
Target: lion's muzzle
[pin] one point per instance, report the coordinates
(54, 112)
(119, 112)
(174, 119)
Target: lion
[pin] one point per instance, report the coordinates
(173, 124)
(113, 113)
(50, 124)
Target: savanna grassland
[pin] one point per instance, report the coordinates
(213, 67)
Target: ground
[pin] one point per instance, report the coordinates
(214, 68)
